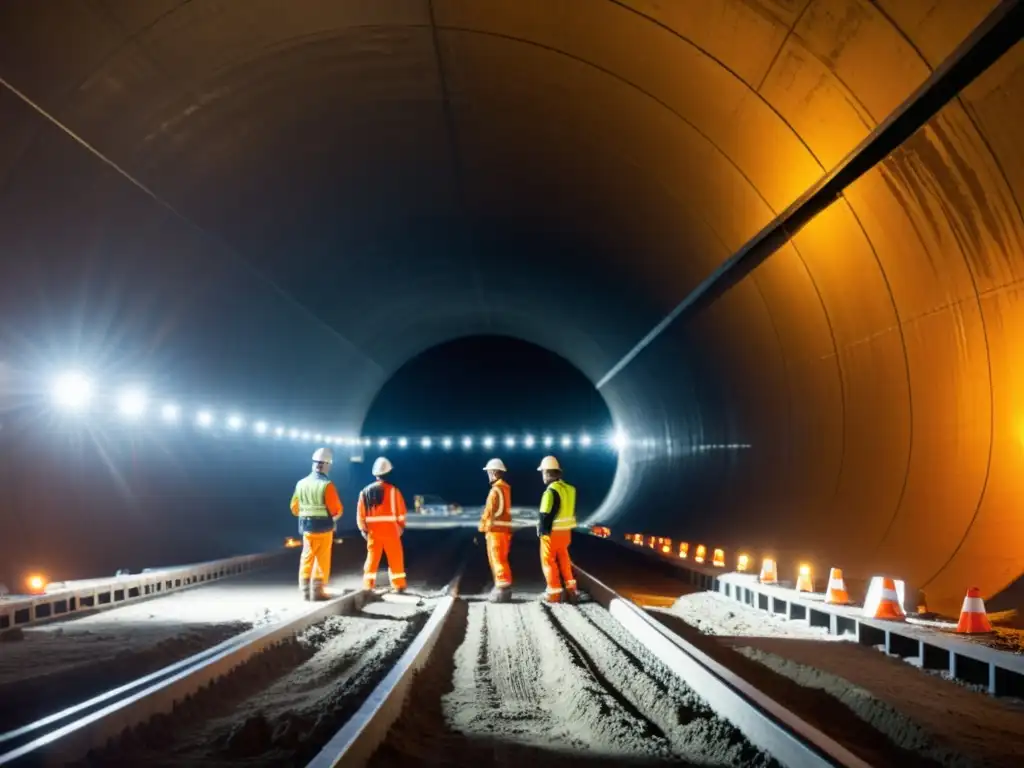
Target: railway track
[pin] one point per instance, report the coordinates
(362, 680)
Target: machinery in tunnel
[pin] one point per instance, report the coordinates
(566, 173)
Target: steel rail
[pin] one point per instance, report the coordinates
(68, 735)
(356, 741)
(766, 723)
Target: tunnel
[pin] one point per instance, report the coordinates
(393, 174)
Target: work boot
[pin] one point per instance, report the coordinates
(556, 598)
(317, 591)
(304, 588)
(572, 596)
(398, 590)
(501, 595)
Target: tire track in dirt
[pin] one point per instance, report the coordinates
(688, 724)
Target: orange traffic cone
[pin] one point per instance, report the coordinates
(803, 579)
(836, 594)
(888, 607)
(768, 574)
(973, 618)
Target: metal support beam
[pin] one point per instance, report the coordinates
(999, 32)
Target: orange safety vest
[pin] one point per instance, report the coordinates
(381, 507)
(497, 516)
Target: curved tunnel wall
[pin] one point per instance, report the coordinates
(566, 172)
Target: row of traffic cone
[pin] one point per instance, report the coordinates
(973, 617)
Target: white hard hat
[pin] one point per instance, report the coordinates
(495, 464)
(323, 456)
(549, 462)
(381, 466)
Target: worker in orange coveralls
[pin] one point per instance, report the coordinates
(496, 525)
(554, 527)
(381, 520)
(316, 504)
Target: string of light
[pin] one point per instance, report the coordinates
(74, 392)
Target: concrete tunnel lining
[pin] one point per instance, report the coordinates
(870, 363)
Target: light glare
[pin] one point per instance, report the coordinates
(467, 442)
(403, 442)
(383, 442)
(488, 442)
(566, 441)
(132, 402)
(261, 427)
(426, 442)
(235, 421)
(72, 391)
(549, 441)
(170, 412)
(510, 442)
(278, 431)
(585, 441)
(447, 443)
(528, 441)
(204, 418)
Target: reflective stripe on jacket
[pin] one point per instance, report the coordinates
(380, 504)
(557, 508)
(497, 515)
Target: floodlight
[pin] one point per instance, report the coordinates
(585, 441)
(467, 442)
(510, 442)
(383, 442)
(403, 442)
(549, 441)
(170, 412)
(204, 418)
(261, 427)
(293, 433)
(528, 441)
(72, 391)
(278, 431)
(426, 442)
(618, 440)
(488, 442)
(447, 443)
(566, 441)
(235, 421)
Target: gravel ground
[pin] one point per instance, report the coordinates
(884, 709)
(552, 685)
(282, 706)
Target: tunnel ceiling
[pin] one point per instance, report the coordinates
(566, 172)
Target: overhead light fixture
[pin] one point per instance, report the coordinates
(170, 413)
(446, 443)
(235, 421)
(261, 427)
(426, 443)
(528, 441)
(488, 442)
(72, 391)
(204, 418)
(510, 442)
(403, 442)
(585, 441)
(467, 442)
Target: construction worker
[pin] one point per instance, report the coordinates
(381, 520)
(496, 525)
(557, 520)
(316, 504)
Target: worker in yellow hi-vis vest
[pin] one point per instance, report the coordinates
(315, 502)
(557, 520)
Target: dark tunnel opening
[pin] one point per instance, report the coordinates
(218, 201)
(526, 399)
